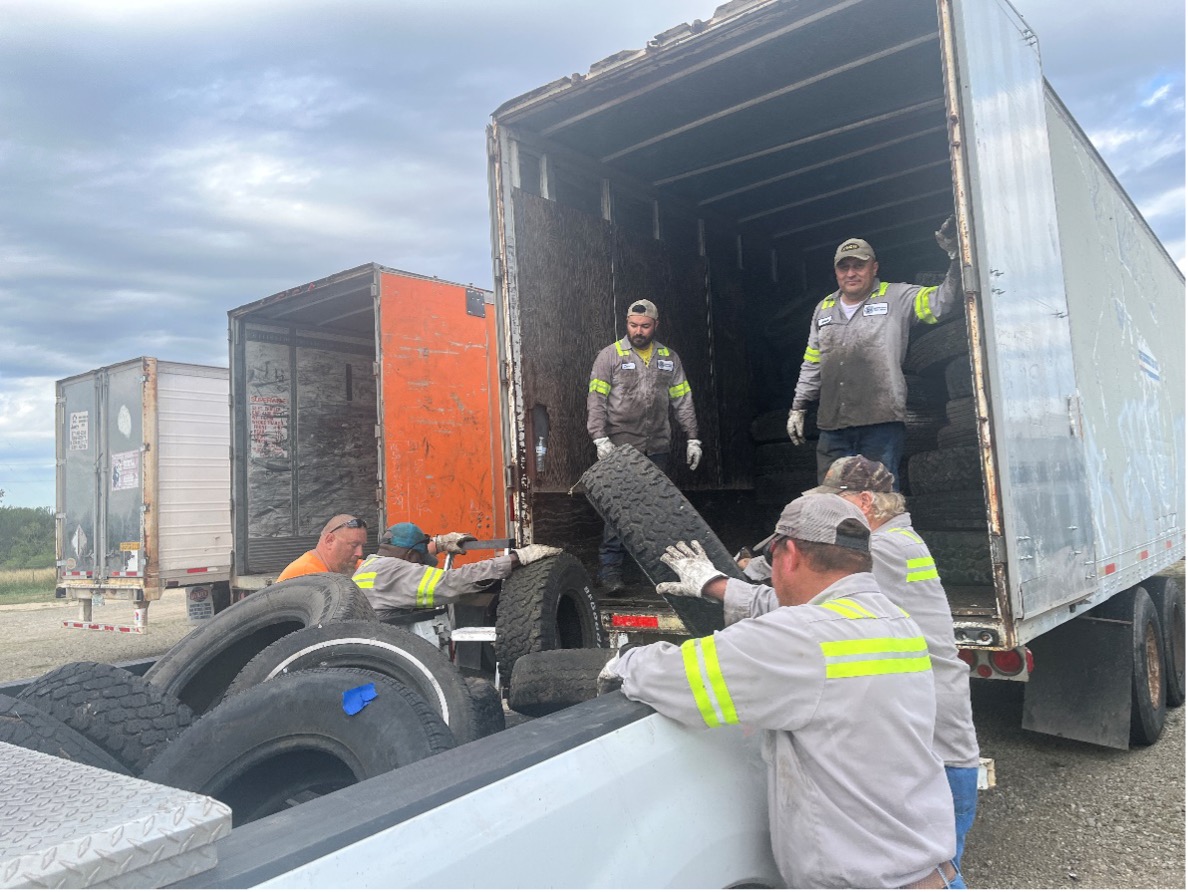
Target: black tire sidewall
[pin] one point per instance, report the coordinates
(1167, 594)
(1147, 718)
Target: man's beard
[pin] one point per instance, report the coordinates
(640, 340)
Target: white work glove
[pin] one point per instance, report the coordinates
(796, 427)
(946, 237)
(693, 454)
(609, 678)
(604, 447)
(530, 553)
(451, 543)
(692, 565)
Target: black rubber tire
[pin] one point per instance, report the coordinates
(649, 513)
(960, 411)
(780, 458)
(772, 427)
(486, 706)
(920, 439)
(198, 669)
(1148, 698)
(963, 510)
(376, 646)
(959, 377)
(24, 725)
(547, 682)
(962, 558)
(924, 394)
(937, 344)
(289, 739)
(124, 715)
(954, 436)
(546, 605)
(1167, 594)
(945, 470)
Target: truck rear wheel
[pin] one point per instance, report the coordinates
(546, 605)
(289, 740)
(1148, 697)
(24, 725)
(1168, 597)
(546, 682)
(198, 669)
(375, 646)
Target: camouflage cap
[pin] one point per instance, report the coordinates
(825, 518)
(853, 247)
(643, 308)
(855, 473)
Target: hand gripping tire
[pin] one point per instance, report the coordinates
(546, 605)
(198, 669)
(124, 715)
(649, 513)
(1167, 594)
(24, 725)
(546, 682)
(375, 646)
(289, 739)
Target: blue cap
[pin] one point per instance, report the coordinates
(408, 535)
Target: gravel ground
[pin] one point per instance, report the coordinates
(1064, 815)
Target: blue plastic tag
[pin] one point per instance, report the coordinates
(355, 699)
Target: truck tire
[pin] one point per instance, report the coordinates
(649, 513)
(1168, 597)
(24, 725)
(959, 377)
(486, 708)
(778, 458)
(1148, 698)
(954, 436)
(936, 345)
(961, 558)
(198, 669)
(547, 682)
(945, 470)
(961, 510)
(546, 605)
(289, 740)
(124, 715)
(364, 644)
(772, 427)
(960, 411)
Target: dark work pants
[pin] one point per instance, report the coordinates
(880, 442)
(611, 551)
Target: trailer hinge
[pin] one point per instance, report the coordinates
(997, 550)
(375, 370)
(498, 268)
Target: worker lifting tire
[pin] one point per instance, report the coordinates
(24, 725)
(199, 668)
(124, 715)
(649, 513)
(369, 644)
(291, 739)
(546, 605)
(1167, 594)
(543, 683)
(1148, 698)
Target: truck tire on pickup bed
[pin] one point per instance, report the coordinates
(1168, 596)
(546, 682)
(130, 719)
(649, 513)
(546, 605)
(364, 644)
(198, 669)
(289, 739)
(486, 708)
(944, 470)
(23, 724)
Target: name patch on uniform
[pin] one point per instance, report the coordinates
(824, 320)
(664, 365)
(874, 310)
(628, 365)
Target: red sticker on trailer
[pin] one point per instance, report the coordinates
(623, 621)
(1110, 568)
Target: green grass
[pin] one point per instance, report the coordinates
(27, 586)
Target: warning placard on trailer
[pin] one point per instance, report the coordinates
(80, 431)
(125, 470)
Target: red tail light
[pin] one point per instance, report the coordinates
(967, 656)
(1007, 662)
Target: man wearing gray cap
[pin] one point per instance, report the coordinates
(839, 679)
(633, 384)
(853, 364)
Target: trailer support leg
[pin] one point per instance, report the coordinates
(84, 609)
(140, 615)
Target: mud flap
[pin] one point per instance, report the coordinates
(1081, 685)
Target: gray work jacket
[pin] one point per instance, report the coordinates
(394, 584)
(628, 399)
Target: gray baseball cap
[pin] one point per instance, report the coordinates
(855, 473)
(853, 247)
(643, 308)
(825, 518)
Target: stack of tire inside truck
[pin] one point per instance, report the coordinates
(292, 693)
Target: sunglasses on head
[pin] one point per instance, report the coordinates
(353, 524)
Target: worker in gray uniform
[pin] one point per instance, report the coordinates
(839, 680)
(853, 364)
(906, 573)
(405, 576)
(633, 385)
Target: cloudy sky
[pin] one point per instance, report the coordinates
(162, 161)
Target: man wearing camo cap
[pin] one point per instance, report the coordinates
(839, 679)
(906, 573)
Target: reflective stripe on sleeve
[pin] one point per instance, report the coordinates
(704, 674)
(620, 349)
(679, 390)
(597, 385)
(921, 569)
(428, 586)
(923, 306)
(855, 606)
(906, 532)
(811, 354)
(663, 351)
(909, 655)
(364, 580)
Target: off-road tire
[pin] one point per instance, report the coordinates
(289, 739)
(959, 377)
(486, 708)
(962, 558)
(649, 513)
(24, 725)
(364, 644)
(546, 605)
(1167, 594)
(959, 510)
(546, 682)
(126, 716)
(198, 669)
(945, 470)
(936, 345)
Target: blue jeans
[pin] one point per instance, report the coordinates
(880, 442)
(611, 551)
(963, 782)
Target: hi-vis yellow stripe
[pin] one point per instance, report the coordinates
(428, 586)
(811, 354)
(924, 307)
(679, 390)
(906, 532)
(848, 608)
(829, 303)
(620, 349)
(911, 655)
(364, 580)
(921, 569)
(704, 675)
(597, 385)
